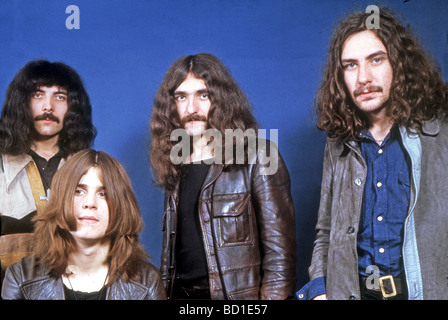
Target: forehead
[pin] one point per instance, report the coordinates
(361, 44)
(191, 84)
(51, 89)
(92, 177)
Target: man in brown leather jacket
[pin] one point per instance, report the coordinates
(229, 230)
(382, 223)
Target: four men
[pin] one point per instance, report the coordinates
(228, 226)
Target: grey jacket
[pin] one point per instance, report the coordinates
(29, 280)
(425, 240)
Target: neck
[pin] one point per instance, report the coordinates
(46, 148)
(87, 268)
(201, 150)
(89, 259)
(379, 125)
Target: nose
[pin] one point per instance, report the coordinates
(192, 106)
(364, 74)
(47, 105)
(90, 201)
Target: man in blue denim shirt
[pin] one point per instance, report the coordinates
(382, 227)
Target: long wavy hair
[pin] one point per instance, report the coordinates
(418, 92)
(230, 109)
(17, 123)
(53, 240)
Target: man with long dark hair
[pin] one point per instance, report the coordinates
(46, 116)
(382, 223)
(229, 229)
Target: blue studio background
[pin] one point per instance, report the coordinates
(275, 49)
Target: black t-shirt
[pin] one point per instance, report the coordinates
(79, 295)
(191, 262)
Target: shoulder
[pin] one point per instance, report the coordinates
(147, 285)
(148, 273)
(28, 268)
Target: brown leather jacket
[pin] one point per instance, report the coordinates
(29, 280)
(248, 228)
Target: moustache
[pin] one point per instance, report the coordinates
(193, 117)
(360, 90)
(47, 116)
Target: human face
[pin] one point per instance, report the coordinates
(367, 71)
(48, 107)
(193, 104)
(90, 208)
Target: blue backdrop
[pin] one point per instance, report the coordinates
(275, 49)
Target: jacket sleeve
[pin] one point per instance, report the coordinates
(319, 259)
(11, 284)
(276, 224)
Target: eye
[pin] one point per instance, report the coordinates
(60, 97)
(179, 98)
(37, 95)
(204, 96)
(377, 60)
(79, 192)
(350, 66)
(102, 194)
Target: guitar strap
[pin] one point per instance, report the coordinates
(37, 187)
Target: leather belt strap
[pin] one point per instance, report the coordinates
(389, 286)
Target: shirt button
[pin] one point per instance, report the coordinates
(358, 181)
(380, 151)
(381, 250)
(380, 218)
(379, 184)
(351, 229)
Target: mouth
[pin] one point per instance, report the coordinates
(190, 119)
(367, 91)
(367, 94)
(47, 118)
(87, 219)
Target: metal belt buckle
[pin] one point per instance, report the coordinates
(383, 286)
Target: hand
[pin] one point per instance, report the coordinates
(320, 297)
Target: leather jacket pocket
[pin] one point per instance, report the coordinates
(233, 219)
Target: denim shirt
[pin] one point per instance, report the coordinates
(385, 205)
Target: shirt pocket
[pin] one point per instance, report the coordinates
(233, 217)
(405, 186)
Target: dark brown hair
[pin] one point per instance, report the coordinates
(17, 123)
(53, 240)
(230, 109)
(418, 92)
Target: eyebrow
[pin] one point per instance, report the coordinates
(370, 56)
(176, 93)
(84, 186)
(56, 92)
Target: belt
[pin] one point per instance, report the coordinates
(387, 288)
